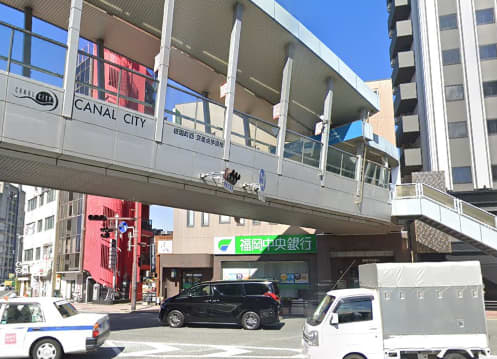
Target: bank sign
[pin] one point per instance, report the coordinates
(266, 244)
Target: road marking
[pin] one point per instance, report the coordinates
(222, 351)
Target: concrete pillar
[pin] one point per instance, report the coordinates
(26, 51)
(284, 101)
(163, 67)
(71, 56)
(229, 100)
(325, 134)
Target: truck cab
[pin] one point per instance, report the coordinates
(346, 324)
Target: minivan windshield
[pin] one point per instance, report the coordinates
(321, 311)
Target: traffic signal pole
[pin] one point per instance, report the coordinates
(114, 269)
(135, 257)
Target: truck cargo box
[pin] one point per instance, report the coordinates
(429, 301)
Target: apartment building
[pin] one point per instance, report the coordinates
(11, 227)
(38, 241)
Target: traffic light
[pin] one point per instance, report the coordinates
(231, 176)
(97, 217)
(105, 232)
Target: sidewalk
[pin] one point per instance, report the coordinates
(114, 308)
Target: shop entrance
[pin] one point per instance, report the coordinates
(345, 269)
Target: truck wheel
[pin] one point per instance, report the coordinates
(454, 355)
(251, 321)
(47, 349)
(175, 318)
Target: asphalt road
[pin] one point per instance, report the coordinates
(139, 335)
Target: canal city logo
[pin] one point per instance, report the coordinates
(45, 98)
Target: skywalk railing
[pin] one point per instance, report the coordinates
(420, 190)
(102, 79)
(33, 62)
(341, 162)
(302, 149)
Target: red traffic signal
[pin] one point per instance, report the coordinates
(97, 217)
(231, 176)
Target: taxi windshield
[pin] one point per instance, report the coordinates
(321, 311)
(66, 309)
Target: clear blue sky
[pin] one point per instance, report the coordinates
(356, 30)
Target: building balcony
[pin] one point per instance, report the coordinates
(408, 130)
(404, 67)
(412, 157)
(401, 36)
(406, 98)
(399, 10)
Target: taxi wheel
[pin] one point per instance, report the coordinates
(175, 319)
(47, 349)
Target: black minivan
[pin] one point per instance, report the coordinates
(251, 303)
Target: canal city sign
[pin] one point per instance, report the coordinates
(266, 244)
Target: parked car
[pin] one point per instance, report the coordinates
(48, 328)
(248, 303)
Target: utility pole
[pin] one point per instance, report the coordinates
(135, 257)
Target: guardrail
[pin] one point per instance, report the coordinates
(419, 190)
(14, 59)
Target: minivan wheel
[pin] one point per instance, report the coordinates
(251, 321)
(175, 319)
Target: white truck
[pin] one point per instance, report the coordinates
(403, 310)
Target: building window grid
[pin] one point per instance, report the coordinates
(490, 88)
(448, 22)
(224, 219)
(454, 93)
(485, 16)
(32, 204)
(49, 223)
(39, 226)
(451, 57)
(458, 129)
(488, 52)
(190, 218)
(462, 175)
(492, 126)
(205, 219)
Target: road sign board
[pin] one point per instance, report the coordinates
(123, 227)
(228, 186)
(262, 180)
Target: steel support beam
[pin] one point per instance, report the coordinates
(284, 101)
(163, 67)
(325, 135)
(26, 51)
(229, 100)
(71, 56)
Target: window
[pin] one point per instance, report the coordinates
(490, 88)
(224, 219)
(321, 310)
(256, 289)
(485, 16)
(30, 228)
(201, 291)
(22, 313)
(38, 254)
(451, 57)
(28, 255)
(488, 52)
(50, 195)
(492, 127)
(458, 129)
(41, 199)
(355, 310)
(47, 252)
(448, 22)
(240, 221)
(32, 203)
(113, 77)
(49, 223)
(232, 290)
(65, 309)
(205, 219)
(454, 93)
(39, 225)
(190, 218)
(461, 175)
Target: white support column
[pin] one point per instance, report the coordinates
(229, 100)
(360, 150)
(71, 56)
(163, 67)
(325, 135)
(284, 101)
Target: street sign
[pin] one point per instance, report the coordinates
(228, 186)
(123, 227)
(262, 180)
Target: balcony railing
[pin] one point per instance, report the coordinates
(420, 190)
(41, 68)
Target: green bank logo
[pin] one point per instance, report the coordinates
(223, 244)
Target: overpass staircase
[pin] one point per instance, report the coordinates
(460, 219)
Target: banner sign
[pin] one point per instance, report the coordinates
(266, 244)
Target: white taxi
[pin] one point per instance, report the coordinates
(48, 328)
